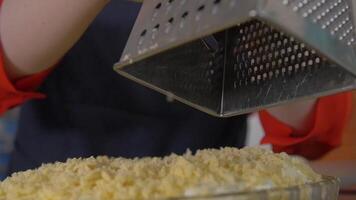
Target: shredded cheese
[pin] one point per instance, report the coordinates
(205, 172)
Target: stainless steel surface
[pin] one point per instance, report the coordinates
(228, 57)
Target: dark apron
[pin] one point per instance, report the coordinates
(90, 110)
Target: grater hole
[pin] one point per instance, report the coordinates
(143, 33)
(156, 27)
(171, 20)
(217, 1)
(159, 5)
(201, 8)
(317, 60)
(170, 1)
(185, 14)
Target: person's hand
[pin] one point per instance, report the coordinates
(297, 115)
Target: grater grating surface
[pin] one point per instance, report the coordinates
(269, 66)
(263, 53)
(334, 16)
(228, 57)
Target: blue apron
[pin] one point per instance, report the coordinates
(90, 110)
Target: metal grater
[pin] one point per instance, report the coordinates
(229, 57)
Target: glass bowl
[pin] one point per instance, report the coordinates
(326, 189)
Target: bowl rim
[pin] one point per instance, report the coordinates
(325, 180)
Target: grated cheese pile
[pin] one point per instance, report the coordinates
(205, 172)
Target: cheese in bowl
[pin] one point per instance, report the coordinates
(206, 172)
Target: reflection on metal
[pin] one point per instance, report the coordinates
(228, 57)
